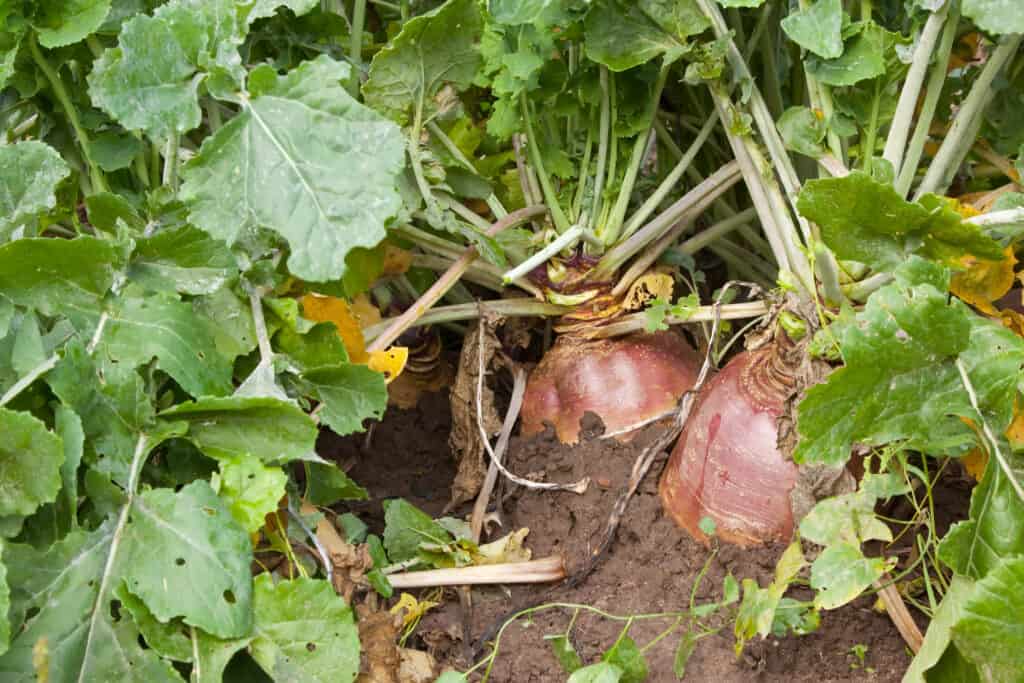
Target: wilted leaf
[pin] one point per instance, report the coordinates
(983, 281)
(842, 572)
(389, 362)
(508, 548)
(335, 310)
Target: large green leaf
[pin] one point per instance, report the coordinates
(150, 81)
(63, 22)
(990, 631)
(186, 556)
(437, 48)
(901, 383)
(304, 631)
(995, 16)
(937, 638)
(350, 395)
(266, 8)
(622, 35)
(30, 460)
(68, 588)
(29, 174)
(169, 330)
(58, 277)
(817, 28)
(112, 410)
(272, 430)
(864, 220)
(183, 259)
(304, 159)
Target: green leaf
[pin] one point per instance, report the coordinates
(304, 631)
(272, 430)
(105, 209)
(514, 12)
(250, 489)
(687, 644)
(229, 320)
(113, 151)
(58, 277)
(437, 48)
(327, 169)
(30, 460)
(818, 28)
(63, 22)
(938, 636)
(69, 587)
(995, 16)
(69, 426)
(327, 485)
(113, 411)
(842, 572)
(5, 604)
(147, 83)
(406, 527)
(27, 351)
(990, 631)
(862, 58)
(602, 672)
(757, 611)
(864, 220)
(29, 174)
(622, 35)
(802, 131)
(267, 8)
(350, 394)
(626, 656)
(185, 556)
(183, 259)
(319, 347)
(995, 529)
(452, 677)
(564, 652)
(740, 3)
(170, 331)
(169, 639)
(901, 382)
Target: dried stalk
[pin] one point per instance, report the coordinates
(535, 571)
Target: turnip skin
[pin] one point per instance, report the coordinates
(626, 381)
(726, 465)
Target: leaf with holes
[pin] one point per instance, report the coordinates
(304, 159)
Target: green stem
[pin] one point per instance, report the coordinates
(671, 181)
(154, 164)
(603, 140)
(908, 167)
(868, 149)
(550, 196)
(492, 201)
(613, 227)
(99, 181)
(171, 162)
(213, 116)
(584, 175)
(705, 237)
(961, 135)
(355, 50)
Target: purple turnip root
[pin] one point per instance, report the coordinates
(726, 465)
(627, 381)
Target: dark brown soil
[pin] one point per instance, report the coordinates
(651, 567)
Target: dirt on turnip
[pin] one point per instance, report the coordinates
(651, 567)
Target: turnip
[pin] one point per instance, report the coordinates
(726, 465)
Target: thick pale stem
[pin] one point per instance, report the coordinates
(720, 181)
(171, 162)
(998, 218)
(933, 90)
(355, 49)
(566, 240)
(961, 136)
(899, 130)
(604, 133)
(448, 280)
(546, 570)
(720, 229)
(509, 308)
(638, 321)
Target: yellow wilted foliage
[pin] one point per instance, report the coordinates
(983, 281)
(350, 321)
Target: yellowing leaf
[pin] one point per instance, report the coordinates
(390, 362)
(976, 460)
(647, 288)
(984, 281)
(1012, 320)
(322, 309)
(508, 548)
(396, 261)
(365, 312)
(975, 463)
(413, 609)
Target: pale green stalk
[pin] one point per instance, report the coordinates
(550, 196)
(493, 203)
(604, 134)
(567, 239)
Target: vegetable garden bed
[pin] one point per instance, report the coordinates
(503, 340)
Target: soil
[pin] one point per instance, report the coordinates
(651, 567)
